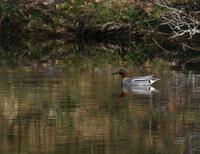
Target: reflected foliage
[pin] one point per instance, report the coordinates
(73, 110)
(79, 52)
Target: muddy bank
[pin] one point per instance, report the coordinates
(134, 32)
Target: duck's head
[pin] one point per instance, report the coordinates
(122, 72)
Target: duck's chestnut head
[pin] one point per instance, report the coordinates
(122, 72)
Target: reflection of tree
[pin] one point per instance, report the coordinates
(52, 52)
(73, 109)
(181, 118)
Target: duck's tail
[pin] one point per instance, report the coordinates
(153, 80)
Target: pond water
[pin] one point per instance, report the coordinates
(61, 98)
(70, 109)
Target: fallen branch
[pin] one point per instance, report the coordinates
(179, 21)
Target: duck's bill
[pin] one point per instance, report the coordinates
(115, 73)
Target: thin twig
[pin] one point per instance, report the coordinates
(160, 46)
(195, 49)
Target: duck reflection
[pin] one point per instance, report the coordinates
(138, 90)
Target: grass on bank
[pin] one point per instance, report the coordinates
(22, 19)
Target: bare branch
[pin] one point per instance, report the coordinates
(179, 21)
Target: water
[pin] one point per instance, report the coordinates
(61, 98)
(62, 109)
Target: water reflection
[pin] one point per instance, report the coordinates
(137, 90)
(51, 52)
(65, 109)
(140, 90)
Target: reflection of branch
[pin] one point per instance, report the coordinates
(1, 20)
(191, 60)
(1, 49)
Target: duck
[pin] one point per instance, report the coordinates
(136, 81)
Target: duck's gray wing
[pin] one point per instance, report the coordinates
(143, 78)
(140, 81)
